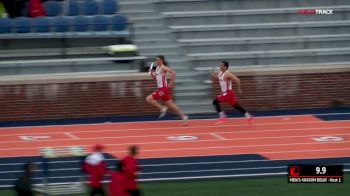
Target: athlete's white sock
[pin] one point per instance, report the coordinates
(247, 115)
(222, 114)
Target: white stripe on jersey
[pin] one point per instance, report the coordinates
(161, 78)
(225, 85)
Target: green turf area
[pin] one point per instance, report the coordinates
(246, 187)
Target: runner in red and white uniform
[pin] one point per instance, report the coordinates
(162, 93)
(225, 79)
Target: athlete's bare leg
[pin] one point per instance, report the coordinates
(177, 110)
(150, 100)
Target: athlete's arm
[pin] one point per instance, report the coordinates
(172, 75)
(237, 80)
(152, 74)
(214, 75)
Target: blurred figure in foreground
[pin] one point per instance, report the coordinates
(131, 170)
(23, 186)
(95, 166)
(117, 186)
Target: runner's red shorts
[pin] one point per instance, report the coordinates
(161, 94)
(227, 97)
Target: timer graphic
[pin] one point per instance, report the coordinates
(315, 173)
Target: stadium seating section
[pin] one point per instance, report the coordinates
(87, 16)
(72, 37)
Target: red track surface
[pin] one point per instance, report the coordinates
(287, 137)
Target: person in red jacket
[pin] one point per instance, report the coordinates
(35, 9)
(131, 170)
(95, 166)
(118, 179)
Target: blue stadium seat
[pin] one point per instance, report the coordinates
(101, 23)
(119, 23)
(5, 25)
(23, 24)
(109, 7)
(53, 8)
(61, 24)
(81, 24)
(90, 7)
(42, 24)
(73, 8)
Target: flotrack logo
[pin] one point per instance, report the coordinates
(316, 11)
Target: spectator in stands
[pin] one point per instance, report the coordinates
(23, 186)
(3, 12)
(14, 7)
(131, 170)
(35, 9)
(95, 166)
(118, 179)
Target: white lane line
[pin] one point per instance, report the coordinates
(171, 164)
(217, 136)
(251, 146)
(167, 179)
(200, 133)
(214, 170)
(197, 141)
(298, 151)
(219, 176)
(180, 127)
(169, 172)
(70, 135)
(181, 164)
(213, 177)
(166, 121)
(170, 127)
(184, 178)
(192, 156)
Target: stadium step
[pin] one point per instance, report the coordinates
(200, 95)
(155, 42)
(52, 53)
(207, 69)
(153, 34)
(134, 5)
(169, 55)
(189, 74)
(149, 27)
(274, 39)
(141, 25)
(139, 13)
(186, 82)
(192, 88)
(272, 53)
(266, 45)
(202, 5)
(261, 30)
(146, 19)
(194, 106)
(159, 49)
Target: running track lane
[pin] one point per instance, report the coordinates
(285, 137)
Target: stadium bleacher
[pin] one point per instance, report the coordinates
(259, 33)
(67, 19)
(209, 5)
(71, 29)
(62, 24)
